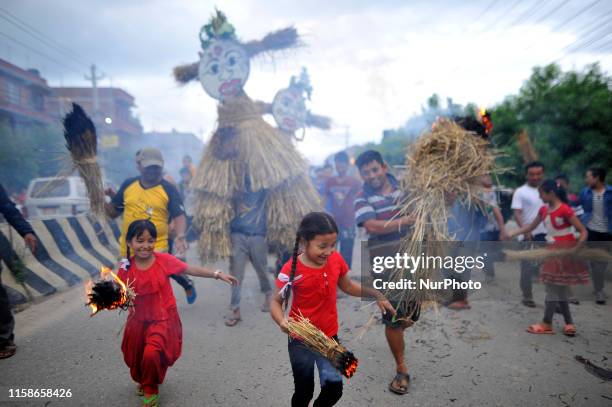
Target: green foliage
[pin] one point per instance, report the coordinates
(567, 116)
(28, 151)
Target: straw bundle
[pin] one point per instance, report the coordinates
(446, 160)
(320, 122)
(274, 41)
(110, 295)
(341, 358)
(81, 141)
(542, 254)
(526, 148)
(186, 73)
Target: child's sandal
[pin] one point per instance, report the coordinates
(540, 329)
(569, 330)
(152, 401)
(139, 391)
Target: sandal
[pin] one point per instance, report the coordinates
(139, 391)
(540, 329)
(233, 319)
(400, 388)
(8, 351)
(569, 330)
(152, 401)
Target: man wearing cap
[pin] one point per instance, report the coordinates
(149, 196)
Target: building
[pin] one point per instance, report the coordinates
(114, 112)
(24, 97)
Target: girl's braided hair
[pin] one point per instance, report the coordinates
(313, 224)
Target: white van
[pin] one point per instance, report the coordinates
(53, 197)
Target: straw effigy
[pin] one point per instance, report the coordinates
(341, 358)
(525, 147)
(242, 145)
(446, 160)
(81, 141)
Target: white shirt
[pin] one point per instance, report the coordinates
(527, 199)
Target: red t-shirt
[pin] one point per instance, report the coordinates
(557, 222)
(314, 291)
(154, 295)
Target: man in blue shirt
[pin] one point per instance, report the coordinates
(596, 201)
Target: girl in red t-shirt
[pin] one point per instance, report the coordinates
(153, 334)
(558, 273)
(313, 276)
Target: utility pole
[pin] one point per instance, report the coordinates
(347, 137)
(94, 87)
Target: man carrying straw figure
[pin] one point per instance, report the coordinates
(251, 184)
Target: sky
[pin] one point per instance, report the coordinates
(372, 65)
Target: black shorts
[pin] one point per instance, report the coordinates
(406, 310)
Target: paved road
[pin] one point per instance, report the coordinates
(479, 357)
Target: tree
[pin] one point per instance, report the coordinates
(568, 118)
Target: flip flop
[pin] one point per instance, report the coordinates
(400, 389)
(232, 319)
(152, 401)
(569, 330)
(539, 329)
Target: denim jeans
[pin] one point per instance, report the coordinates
(528, 270)
(7, 322)
(253, 248)
(347, 241)
(492, 254)
(303, 361)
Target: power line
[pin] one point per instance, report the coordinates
(35, 33)
(553, 11)
(576, 15)
(38, 52)
(525, 16)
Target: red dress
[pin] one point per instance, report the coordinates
(562, 270)
(153, 334)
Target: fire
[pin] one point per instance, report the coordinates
(351, 368)
(108, 293)
(485, 118)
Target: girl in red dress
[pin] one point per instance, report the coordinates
(153, 334)
(312, 276)
(558, 273)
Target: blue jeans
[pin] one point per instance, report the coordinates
(347, 241)
(303, 361)
(528, 270)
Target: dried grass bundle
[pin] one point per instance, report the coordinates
(275, 41)
(341, 358)
(446, 160)
(81, 141)
(186, 73)
(109, 293)
(526, 148)
(584, 253)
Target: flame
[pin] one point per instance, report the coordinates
(351, 368)
(107, 274)
(485, 118)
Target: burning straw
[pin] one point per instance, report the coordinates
(341, 358)
(110, 293)
(81, 141)
(446, 160)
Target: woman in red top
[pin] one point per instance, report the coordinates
(558, 273)
(153, 334)
(313, 276)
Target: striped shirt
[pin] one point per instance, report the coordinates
(598, 222)
(369, 204)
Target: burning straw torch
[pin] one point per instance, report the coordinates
(109, 293)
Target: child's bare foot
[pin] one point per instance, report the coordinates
(233, 318)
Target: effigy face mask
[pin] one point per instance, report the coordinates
(224, 69)
(289, 109)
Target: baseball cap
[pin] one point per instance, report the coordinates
(150, 156)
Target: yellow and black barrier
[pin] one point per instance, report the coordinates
(70, 250)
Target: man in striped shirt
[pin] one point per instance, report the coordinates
(596, 201)
(376, 209)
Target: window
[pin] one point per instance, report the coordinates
(56, 188)
(37, 100)
(13, 93)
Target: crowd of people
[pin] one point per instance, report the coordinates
(156, 220)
